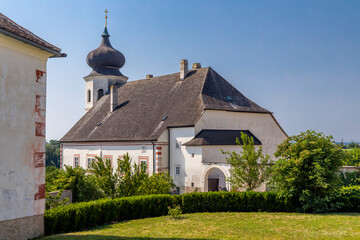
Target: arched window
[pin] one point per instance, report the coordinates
(100, 93)
(89, 96)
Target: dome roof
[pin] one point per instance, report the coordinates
(105, 60)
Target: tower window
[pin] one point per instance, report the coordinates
(89, 96)
(100, 93)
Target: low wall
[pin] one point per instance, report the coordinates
(22, 228)
(64, 194)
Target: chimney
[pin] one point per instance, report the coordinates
(196, 66)
(149, 76)
(113, 98)
(183, 69)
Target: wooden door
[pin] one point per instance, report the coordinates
(213, 185)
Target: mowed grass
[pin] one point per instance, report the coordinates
(229, 226)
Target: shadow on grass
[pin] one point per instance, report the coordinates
(102, 237)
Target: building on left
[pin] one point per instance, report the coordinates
(23, 58)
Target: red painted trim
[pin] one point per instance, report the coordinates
(39, 75)
(39, 159)
(41, 192)
(40, 129)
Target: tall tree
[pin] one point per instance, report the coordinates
(249, 168)
(52, 150)
(306, 172)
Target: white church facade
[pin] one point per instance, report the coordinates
(174, 123)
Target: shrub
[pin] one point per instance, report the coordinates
(78, 216)
(175, 212)
(307, 171)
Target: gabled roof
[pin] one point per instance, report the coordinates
(220, 137)
(144, 103)
(12, 29)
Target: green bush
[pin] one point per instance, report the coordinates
(350, 191)
(78, 216)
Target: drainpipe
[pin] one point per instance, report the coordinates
(154, 158)
(169, 151)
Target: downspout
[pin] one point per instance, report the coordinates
(154, 157)
(169, 151)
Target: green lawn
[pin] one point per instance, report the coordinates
(229, 226)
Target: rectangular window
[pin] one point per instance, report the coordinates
(143, 149)
(177, 170)
(89, 161)
(177, 144)
(76, 161)
(110, 157)
(144, 160)
(178, 190)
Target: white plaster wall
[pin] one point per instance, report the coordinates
(263, 126)
(115, 150)
(19, 179)
(180, 156)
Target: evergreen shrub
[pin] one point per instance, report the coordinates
(80, 216)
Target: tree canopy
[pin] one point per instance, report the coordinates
(307, 170)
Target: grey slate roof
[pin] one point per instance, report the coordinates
(9, 26)
(144, 103)
(220, 137)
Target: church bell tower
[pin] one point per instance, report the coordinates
(106, 62)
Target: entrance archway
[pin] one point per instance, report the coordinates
(215, 180)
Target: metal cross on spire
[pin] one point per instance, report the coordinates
(106, 12)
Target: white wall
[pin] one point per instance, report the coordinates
(180, 156)
(115, 150)
(22, 117)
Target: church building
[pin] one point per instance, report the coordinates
(174, 123)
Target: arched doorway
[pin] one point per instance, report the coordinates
(215, 180)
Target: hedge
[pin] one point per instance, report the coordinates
(79, 216)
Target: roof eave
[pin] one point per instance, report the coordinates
(56, 54)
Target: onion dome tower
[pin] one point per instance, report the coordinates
(106, 62)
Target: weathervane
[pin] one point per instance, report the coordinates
(106, 12)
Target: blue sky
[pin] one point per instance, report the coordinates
(299, 59)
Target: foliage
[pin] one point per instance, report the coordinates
(350, 191)
(175, 212)
(82, 185)
(128, 179)
(74, 217)
(78, 216)
(306, 171)
(52, 150)
(52, 202)
(249, 169)
(353, 158)
(349, 178)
